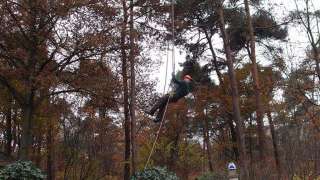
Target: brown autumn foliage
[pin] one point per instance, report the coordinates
(68, 68)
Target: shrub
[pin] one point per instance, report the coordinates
(211, 176)
(21, 170)
(155, 173)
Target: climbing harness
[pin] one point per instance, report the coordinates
(164, 90)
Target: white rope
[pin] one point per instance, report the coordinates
(164, 90)
(155, 141)
(165, 81)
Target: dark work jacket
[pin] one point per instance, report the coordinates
(182, 88)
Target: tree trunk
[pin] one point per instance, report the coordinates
(275, 145)
(174, 143)
(36, 148)
(132, 91)
(174, 152)
(233, 137)
(51, 152)
(255, 76)
(26, 136)
(250, 142)
(215, 61)
(8, 115)
(15, 127)
(235, 97)
(126, 169)
(222, 84)
(207, 142)
(317, 60)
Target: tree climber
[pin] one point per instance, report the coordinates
(182, 88)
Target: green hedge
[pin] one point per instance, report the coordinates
(155, 173)
(211, 176)
(21, 170)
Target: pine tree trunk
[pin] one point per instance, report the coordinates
(8, 115)
(132, 91)
(26, 136)
(50, 151)
(317, 60)
(275, 145)
(207, 136)
(235, 97)
(207, 142)
(126, 169)
(174, 152)
(222, 84)
(234, 137)
(255, 75)
(15, 127)
(36, 149)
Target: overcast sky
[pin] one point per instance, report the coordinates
(295, 48)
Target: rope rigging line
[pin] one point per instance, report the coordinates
(165, 80)
(164, 90)
(157, 136)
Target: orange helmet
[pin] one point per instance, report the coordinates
(187, 77)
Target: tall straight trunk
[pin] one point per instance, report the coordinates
(207, 136)
(234, 136)
(275, 145)
(174, 152)
(15, 127)
(255, 76)
(126, 170)
(50, 150)
(207, 143)
(221, 82)
(215, 61)
(27, 124)
(250, 138)
(8, 134)
(36, 149)
(317, 59)
(132, 91)
(235, 96)
(174, 144)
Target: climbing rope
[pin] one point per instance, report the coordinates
(164, 90)
(157, 136)
(165, 80)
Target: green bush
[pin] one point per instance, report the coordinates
(21, 170)
(211, 176)
(155, 173)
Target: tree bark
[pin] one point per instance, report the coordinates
(126, 169)
(234, 137)
(222, 84)
(207, 142)
(15, 127)
(317, 59)
(51, 152)
(174, 152)
(8, 115)
(27, 124)
(132, 91)
(275, 145)
(255, 76)
(206, 135)
(235, 96)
